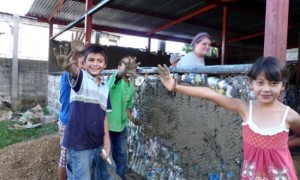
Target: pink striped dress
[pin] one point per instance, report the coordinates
(266, 153)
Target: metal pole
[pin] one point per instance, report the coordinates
(80, 19)
(215, 69)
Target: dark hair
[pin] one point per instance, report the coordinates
(97, 49)
(272, 67)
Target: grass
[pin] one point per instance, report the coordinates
(8, 137)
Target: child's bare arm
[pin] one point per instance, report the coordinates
(232, 104)
(106, 137)
(293, 120)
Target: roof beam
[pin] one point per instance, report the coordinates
(141, 34)
(230, 4)
(153, 14)
(57, 8)
(80, 19)
(250, 36)
(119, 30)
(186, 17)
(163, 37)
(172, 18)
(254, 35)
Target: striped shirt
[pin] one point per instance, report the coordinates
(89, 103)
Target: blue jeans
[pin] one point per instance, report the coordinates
(119, 150)
(101, 172)
(79, 163)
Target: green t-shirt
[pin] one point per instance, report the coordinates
(121, 97)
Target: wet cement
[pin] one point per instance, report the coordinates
(206, 137)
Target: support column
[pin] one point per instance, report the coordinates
(50, 29)
(15, 62)
(162, 46)
(224, 34)
(298, 62)
(97, 37)
(276, 26)
(88, 22)
(149, 45)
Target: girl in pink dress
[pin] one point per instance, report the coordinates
(266, 121)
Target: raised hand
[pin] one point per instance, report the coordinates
(130, 66)
(165, 78)
(63, 56)
(77, 44)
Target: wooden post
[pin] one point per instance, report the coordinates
(88, 22)
(224, 34)
(276, 26)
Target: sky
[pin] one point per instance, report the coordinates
(19, 7)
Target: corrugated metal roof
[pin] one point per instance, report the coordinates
(142, 17)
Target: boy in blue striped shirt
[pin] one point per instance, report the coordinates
(87, 131)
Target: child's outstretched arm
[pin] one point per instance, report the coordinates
(232, 104)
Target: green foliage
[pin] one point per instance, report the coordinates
(8, 136)
(187, 48)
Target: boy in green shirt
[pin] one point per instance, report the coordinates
(121, 96)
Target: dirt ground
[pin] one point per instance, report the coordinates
(34, 160)
(37, 160)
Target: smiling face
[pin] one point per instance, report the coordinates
(202, 47)
(94, 64)
(266, 91)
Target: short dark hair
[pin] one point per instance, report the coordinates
(97, 49)
(273, 68)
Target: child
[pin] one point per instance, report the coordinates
(174, 59)
(87, 130)
(121, 97)
(266, 121)
(64, 99)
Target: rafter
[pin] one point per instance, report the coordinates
(56, 9)
(184, 18)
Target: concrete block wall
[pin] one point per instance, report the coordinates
(32, 82)
(5, 77)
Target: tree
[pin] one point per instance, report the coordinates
(187, 48)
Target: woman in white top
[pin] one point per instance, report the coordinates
(201, 45)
